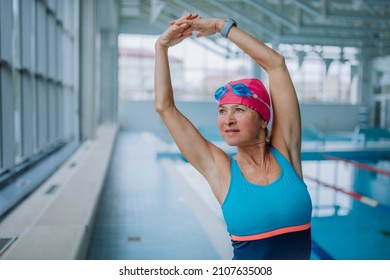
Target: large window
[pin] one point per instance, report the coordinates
(322, 74)
(36, 85)
(198, 67)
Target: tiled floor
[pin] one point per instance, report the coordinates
(142, 215)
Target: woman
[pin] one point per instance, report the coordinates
(264, 200)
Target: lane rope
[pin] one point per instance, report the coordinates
(363, 199)
(360, 165)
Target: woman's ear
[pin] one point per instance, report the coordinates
(263, 123)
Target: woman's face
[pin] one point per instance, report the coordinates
(239, 125)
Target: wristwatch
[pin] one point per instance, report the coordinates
(228, 25)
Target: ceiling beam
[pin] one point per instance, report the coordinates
(357, 17)
(308, 9)
(274, 15)
(361, 32)
(377, 2)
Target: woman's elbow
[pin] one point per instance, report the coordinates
(274, 61)
(161, 108)
(278, 61)
(158, 108)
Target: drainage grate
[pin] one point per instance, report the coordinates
(22, 183)
(5, 243)
(134, 239)
(52, 189)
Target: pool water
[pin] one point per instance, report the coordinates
(344, 226)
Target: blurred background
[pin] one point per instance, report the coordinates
(88, 170)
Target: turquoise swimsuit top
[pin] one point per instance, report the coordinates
(254, 212)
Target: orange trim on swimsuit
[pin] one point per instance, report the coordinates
(270, 233)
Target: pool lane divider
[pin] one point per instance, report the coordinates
(360, 165)
(363, 199)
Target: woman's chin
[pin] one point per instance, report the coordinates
(230, 142)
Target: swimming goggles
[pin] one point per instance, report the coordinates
(239, 90)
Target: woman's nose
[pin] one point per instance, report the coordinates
(230, 119)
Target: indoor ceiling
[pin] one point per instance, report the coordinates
(364, 24)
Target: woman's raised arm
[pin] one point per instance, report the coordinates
(207, 158)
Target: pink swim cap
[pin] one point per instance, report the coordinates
(259, 99)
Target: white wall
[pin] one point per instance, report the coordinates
(330, 117)
(141, 116)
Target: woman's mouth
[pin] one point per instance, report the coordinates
(231, 131)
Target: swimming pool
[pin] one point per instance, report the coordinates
(144, 214)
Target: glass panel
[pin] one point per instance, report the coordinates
(7, 118)
(27, 115)
(60, 112)
(6, 31)
(51, 45)
(52, 111)
(17, 117)
(42, 105)
(69, 112)
(25, 35)
(60, 54)
(41, 39)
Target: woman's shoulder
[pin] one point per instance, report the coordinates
(291, 155)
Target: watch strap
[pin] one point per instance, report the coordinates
(228, 25)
